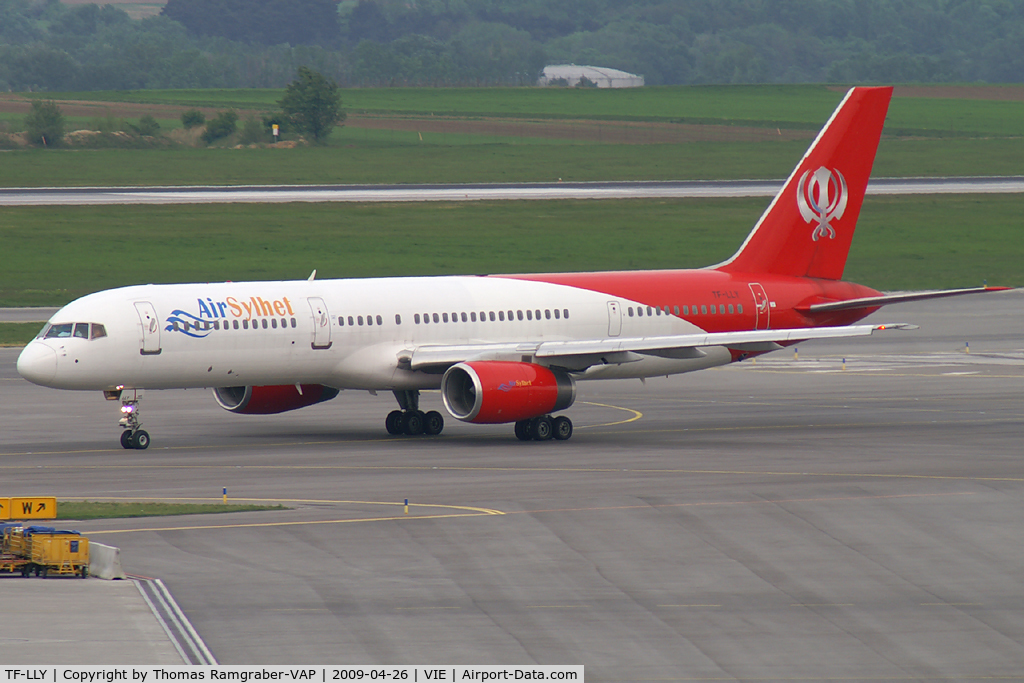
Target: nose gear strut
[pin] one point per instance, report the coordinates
(132, 437)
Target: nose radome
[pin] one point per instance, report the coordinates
(38, 363)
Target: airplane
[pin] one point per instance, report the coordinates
(500, 348)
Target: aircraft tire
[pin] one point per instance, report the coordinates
(523, 430)
(126, 439)
(542, 428)
(393, 423)
(412, 423)
(433, 423)
(140, 440)
(562, 428)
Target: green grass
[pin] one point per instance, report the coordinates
(353, 158)
(790, 106)
(902, 242)
(18, 334)
(81, 510)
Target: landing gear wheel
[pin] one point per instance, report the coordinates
(433, 423)
(412, 423)
(542, 428)
(126, 439)
(140, 440)
(523, 432)
(562, 428)
(393, 423)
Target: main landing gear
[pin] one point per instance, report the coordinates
(132, 437)
(410, 420)
(543, 428)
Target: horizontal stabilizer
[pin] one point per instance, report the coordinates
(886, 299)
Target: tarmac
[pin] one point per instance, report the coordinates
(850, 511)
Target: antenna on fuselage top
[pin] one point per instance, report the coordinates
(312, 276)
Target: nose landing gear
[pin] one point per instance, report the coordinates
(132, 437)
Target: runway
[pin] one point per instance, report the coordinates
(784, 520)
(475, 192)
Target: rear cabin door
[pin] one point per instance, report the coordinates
(150, 328)
(321, 323)
(762, 308)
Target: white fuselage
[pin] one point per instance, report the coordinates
(347, 334)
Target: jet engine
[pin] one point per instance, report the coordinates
(494, 392)
(272, 399)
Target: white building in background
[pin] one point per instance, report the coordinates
(603, 77)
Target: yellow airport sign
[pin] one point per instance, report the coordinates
(36, 507)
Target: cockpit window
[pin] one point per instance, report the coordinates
(61, 331)
(98, 331)
(82, 330)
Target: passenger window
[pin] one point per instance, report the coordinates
(186, 326)
(398, 319)
(501, 315)
(444, 317)
(547, 314)
(519, 315)
(416, 318)
(639, 312)
(465, 318)
(359, 320)
(675, 309)
(686, 310)
(341, 321)
(82, 330)
(264, 323)
(731, 311)
(455, 317)
(558, 316)
(703, 310)
(529, 315)
(721, 308)
(712, 307)
(273, 323)
(245, 324)
(380, 320)
(739, 308)
(234, 323)
(565, 313)
(293, 324)
(536, 314)
(472, 316)
(437, 318)
(175, 325)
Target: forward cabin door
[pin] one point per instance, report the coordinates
(150, 328)
(762, 308)
(321, 323)
(614, 319)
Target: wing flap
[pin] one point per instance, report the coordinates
(582, 353)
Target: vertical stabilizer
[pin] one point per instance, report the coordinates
(808, 228)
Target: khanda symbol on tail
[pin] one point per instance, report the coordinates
(816, 201)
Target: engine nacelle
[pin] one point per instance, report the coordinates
(495, 392)
(272, 399)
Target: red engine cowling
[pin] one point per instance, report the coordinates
(273, 399)
(495, 392)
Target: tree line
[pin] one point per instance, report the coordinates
(45, 45)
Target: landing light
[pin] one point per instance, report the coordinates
(127, 409)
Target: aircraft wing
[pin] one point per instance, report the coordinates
(579, 354)
(886, 299)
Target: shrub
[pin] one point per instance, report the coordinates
(220, 126)
(44, 125)
(193, 118)
(252, 131)
(148, 126)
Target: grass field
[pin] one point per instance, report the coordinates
(901, 243)
(80, 510)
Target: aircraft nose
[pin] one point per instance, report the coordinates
(38, 363)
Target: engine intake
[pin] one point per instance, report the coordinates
(271, 399)
(496, 392)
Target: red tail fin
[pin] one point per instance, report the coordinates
(808, 227)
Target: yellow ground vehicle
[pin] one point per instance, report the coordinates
(44, 551)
